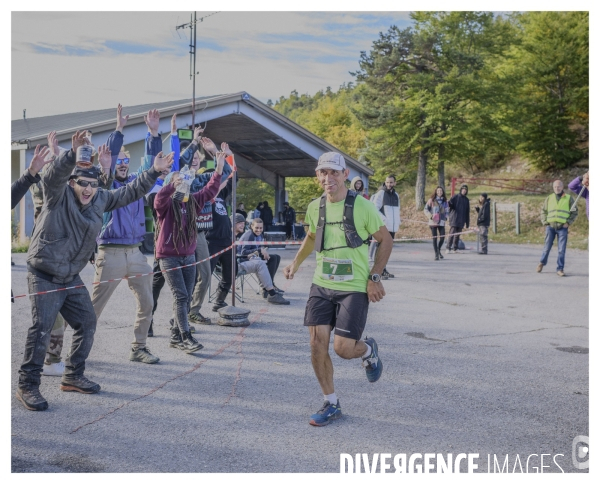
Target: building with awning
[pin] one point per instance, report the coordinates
(267, 145)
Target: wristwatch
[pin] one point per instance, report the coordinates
(375, 277)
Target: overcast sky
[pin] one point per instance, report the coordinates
(99, 59)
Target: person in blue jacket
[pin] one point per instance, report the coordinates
(119, 242)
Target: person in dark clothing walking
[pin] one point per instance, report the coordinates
(289, 217)
(458, 217)
(483, 221)
(266, 214)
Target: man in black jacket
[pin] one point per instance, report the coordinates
(289, 217)
(458, 217)
(483, 221)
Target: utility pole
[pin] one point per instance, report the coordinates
(192, 26)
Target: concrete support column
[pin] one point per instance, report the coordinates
(279, 197)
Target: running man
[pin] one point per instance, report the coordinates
(342, 285)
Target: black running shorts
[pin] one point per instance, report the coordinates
(346, 311)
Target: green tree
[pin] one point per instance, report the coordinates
(550, 67)
(422, 88)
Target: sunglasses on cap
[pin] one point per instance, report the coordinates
(85, 184)
(122, 161)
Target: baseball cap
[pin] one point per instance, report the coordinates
(92, 172)
(331, 161)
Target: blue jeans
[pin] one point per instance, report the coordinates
(562, 246)
(75, 305)
(181, 282)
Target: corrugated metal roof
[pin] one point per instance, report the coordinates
(22, 129)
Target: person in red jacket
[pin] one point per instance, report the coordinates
(176, 245)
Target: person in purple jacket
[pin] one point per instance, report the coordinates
(119, 244)
(582, 183)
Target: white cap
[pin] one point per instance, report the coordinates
(331, 161)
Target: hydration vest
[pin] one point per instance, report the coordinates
(558, 211)
(353, 240)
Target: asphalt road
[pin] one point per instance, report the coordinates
(481, 355)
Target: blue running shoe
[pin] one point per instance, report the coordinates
(328, 412)
(373, 364)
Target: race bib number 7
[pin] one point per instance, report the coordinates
(337, 270)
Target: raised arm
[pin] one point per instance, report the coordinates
(153, 142)
(175, 145)
(140, 186)
(188, 155)
(57, 174)
(19, 188)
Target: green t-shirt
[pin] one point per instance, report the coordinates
(367, 221)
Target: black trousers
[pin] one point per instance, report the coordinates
(453, 238)
(226, 264)
(158, 281)
(273, 265)
(435, 231)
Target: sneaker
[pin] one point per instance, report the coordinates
(53, 369)
(277, 299)
(437, 257)
(373, 364)
(326, 414)
(175, 340)
(386, 274)
(78, 383)
(151, 330)
(189, 344)
(31, 398)
(198, 318)
(447, 251)
(143, 355)
(560, 273)
(540, 267)
(441, 256)
(384, 277)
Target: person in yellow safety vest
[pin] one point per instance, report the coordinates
(558, 213)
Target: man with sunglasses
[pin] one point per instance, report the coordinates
(62, 242)
(119, 241)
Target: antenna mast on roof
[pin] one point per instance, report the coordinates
(192, 26)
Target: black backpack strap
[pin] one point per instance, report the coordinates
(352, 238)
(320, 235)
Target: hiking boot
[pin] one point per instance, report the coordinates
(198, 318)
(326, 414)
(277, 299)
(78, 383)
(53, 369)
(31, 398)
(560, 273)
(540, 267)
(143, 355)
(188, 343)
(372, 363)
(175, 340)
(220, 300)
(151, 329)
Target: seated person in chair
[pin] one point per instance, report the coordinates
(256, 234)
(252, 263)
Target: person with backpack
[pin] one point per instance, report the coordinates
(458, 217)
(436, 210)
(483, 222)
(388, 203)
